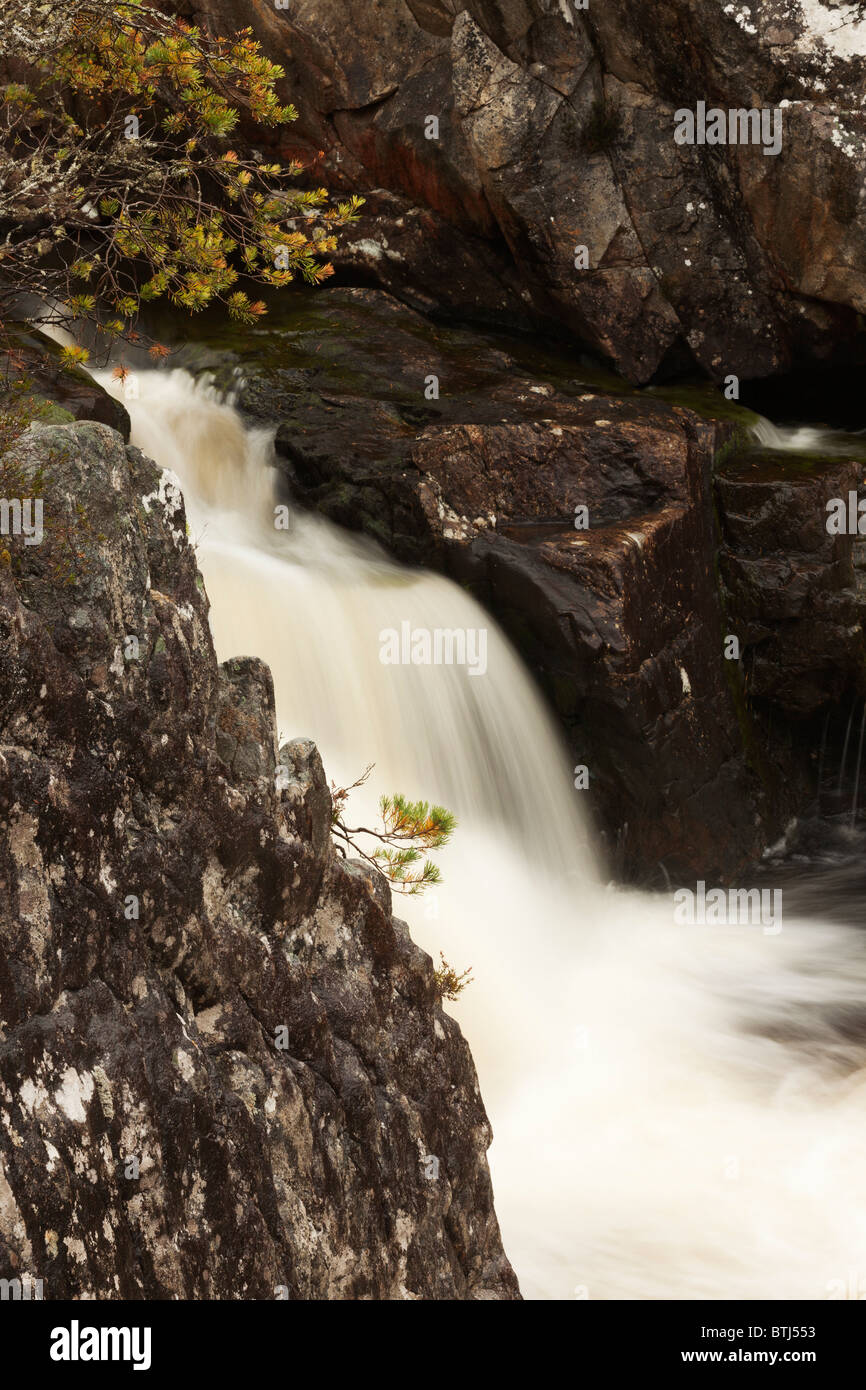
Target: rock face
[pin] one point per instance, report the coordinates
(790, 587)
(494, 137)
(695, 761)
(224, 1070)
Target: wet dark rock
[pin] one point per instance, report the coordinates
(790, 586)
(622, 622)
(556, 130)
(223, 1062)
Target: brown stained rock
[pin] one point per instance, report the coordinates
(626, 622)
(222, 1060)
(714, 254)
(624, 625)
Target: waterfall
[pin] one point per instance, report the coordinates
(792, 437)
(801, 438)
(678, 1112)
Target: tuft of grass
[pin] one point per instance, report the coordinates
(16, 412)
(450, 985)
(604, 126)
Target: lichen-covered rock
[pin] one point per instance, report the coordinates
(224, 1070)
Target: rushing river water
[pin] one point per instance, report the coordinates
(679, 1112)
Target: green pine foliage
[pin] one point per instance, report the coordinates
(118, 181)
(408, 830)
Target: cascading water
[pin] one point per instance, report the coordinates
(804, 438)
(792, 437)
(679, 1112)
